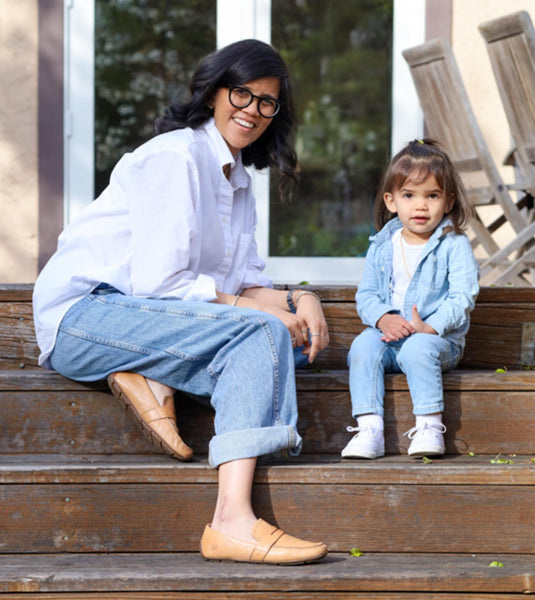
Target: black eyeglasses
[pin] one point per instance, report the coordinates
(241, 97)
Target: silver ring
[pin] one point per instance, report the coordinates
(314, 334)
(294, 341)
(304, 331)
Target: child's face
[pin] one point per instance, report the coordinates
(420, 208)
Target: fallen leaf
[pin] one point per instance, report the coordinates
(496, 563)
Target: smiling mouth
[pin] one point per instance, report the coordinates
(243, 123)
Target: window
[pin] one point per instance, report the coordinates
(145, 54)
(355, 103)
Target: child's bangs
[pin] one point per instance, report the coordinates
(417, 170)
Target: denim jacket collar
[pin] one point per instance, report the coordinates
(386, 233)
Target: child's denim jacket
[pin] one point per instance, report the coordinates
(444, 286)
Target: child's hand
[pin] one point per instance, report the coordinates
(394, 327)
(420, 326)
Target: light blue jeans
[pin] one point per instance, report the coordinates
(242, 359)
(422, 357)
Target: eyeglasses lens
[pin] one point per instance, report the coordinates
(240, 98)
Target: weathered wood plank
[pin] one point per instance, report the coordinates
(310, 379)
(263, 595)
(373, 573)
(19, 346)
(43, 412)
(170, 517)
(306, 469)
(496, 326)
(22, 292)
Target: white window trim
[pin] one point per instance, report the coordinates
(236, 19)
(79, 106)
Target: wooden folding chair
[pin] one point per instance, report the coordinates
(510, 42)
(449, 119)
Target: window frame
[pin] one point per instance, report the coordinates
(236, 19)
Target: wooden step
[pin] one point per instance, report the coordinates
(120, 503)
(168, 576)
(89, 509)
(502, 332)
(486, 413)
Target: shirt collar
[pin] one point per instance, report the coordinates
(238, 174)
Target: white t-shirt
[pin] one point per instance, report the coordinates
(169, 225)
(404, 262)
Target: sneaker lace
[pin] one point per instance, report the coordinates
(356, 430)
(414, 431)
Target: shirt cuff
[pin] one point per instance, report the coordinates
(202, 290)
(256, 279)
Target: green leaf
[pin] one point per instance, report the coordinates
(471, 454)
(498, 460)
(501, 370)
(303, 283)
(496, 563)
(356, 552)
(426, 460)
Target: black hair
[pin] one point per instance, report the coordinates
(236, 64)
(417, 161)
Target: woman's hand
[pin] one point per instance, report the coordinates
(309, 309)
(307, 326)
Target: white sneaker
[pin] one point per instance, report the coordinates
(427, 440)
(368, 442)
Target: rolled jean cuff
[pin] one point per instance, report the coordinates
(428, 408)
(251, 443)
(365, 409)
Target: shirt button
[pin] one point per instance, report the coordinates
(225, 219)
(229, 254)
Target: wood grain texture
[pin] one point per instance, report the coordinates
(435, 576)
(157, 469)
(162, 517)
(496, 321)
(40, 411)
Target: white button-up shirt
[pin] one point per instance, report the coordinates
(169, 225)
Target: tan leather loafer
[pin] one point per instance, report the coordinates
(158, 423)
(273, 546)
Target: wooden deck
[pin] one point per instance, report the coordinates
(89, 509)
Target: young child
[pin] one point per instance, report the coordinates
(419, 285)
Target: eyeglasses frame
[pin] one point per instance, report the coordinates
(258, 100)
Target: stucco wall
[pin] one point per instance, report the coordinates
(18, 140)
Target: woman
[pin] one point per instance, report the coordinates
(158, 287)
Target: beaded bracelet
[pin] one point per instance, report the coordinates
(290, 302)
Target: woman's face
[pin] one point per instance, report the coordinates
(243, 126)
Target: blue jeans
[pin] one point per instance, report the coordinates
(422, 357)
(242, 359)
